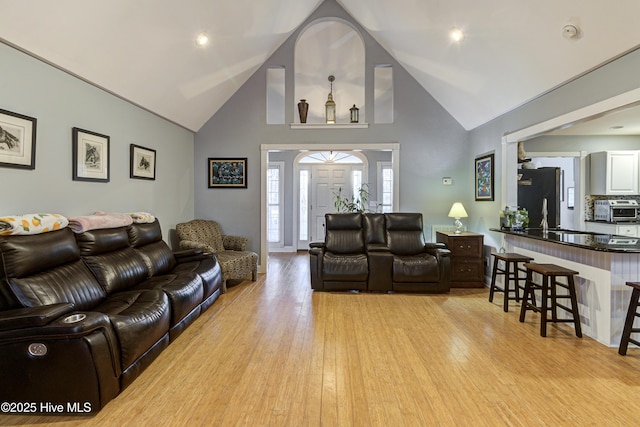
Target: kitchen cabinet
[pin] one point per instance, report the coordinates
(467, 266)
(614, 173)
(631, 230)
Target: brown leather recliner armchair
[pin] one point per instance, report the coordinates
(340, 263)
(417, 266)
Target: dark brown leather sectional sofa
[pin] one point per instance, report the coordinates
(378, 252)
(82, 315)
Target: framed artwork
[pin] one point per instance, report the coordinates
(143, 162)
(484, 178)
(17, 140)
(228, 172)
(90, 156)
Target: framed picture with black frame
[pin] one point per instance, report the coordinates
(484, 178)
(90, 156)
(17, 140)
(143, 162)
(227, 172)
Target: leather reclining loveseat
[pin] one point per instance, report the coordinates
(378, 252)
(82, 315)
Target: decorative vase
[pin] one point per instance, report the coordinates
(303, 109)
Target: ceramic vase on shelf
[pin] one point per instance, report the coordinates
(303, 109)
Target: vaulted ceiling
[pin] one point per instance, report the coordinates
(144, 50)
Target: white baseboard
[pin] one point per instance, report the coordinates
(283, 249)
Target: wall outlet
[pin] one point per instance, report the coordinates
(447, 181)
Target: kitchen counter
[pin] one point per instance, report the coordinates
(581, 239)
(604, 262)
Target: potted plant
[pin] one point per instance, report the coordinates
(354, 204)
(514, 219)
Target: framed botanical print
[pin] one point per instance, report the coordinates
(143, 162)
(484, 178)
(90, 156)
(228, 172)
(17, 140)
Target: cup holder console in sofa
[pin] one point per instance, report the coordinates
(82, 315)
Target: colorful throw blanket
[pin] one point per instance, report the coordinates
(142, 217)
(32, 223)
(99, 220)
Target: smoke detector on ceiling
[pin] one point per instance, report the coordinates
(570, 31)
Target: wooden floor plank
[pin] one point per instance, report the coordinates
(275, 353)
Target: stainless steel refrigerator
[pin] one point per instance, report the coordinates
(533, 187)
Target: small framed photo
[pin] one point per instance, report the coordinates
(90, 156)
(17, 140)
(484, 172)
(227, 172)
(143, 162)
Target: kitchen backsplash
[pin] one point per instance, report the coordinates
(589, 199)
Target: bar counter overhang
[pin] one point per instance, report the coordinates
(605, 263)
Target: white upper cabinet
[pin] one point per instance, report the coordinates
(614, 173)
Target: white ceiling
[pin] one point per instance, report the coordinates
(144, 50)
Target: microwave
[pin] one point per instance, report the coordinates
(615, 210)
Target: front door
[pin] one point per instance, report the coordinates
(326, 179)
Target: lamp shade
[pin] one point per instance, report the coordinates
(457, 211)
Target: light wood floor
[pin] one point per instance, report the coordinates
(274, 353)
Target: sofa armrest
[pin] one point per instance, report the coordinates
(435, 245)
(79, 356)
(188, 255)
(377, 247)
(188, 252)
(234, 243)
(30, 317)
(316, 244)
(443, 256)
(439, 252)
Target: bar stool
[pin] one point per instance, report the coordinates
(632, 313)
(550, 273)
(511, 273)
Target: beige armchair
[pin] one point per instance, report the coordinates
(236, 263)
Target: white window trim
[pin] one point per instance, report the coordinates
(279, 165)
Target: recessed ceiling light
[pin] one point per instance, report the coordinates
(202, 39)
(456, 35)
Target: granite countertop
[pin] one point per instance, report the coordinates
(581, 239)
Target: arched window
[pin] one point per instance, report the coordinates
(331, 157)
(330, 47)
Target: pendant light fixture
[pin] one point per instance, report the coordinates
(330, 106)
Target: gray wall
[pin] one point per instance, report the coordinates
(59, 102)
(432, 143)
(615, 78)
(588, 143)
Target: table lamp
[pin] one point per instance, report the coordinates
(457, 211)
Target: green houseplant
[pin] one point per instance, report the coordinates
(357, 203)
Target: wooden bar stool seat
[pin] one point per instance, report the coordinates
(548, 287)
(632, 313)
(511, 273)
